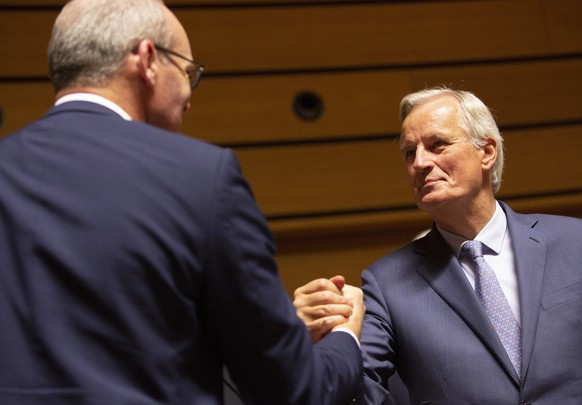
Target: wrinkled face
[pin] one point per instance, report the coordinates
(443, 166)
(172, 88)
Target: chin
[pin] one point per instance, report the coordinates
(431, 201)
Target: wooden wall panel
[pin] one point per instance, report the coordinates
(328, 178)
(364, 176)
(334, 188)
(247, 110)
(261, 38)
(522, 93)
(350, 250)
(24, 36)
(348, 255)
(235, 110)
(21, 103)
(563, 21)
(31, 3)
(364, 34)
(170, 3)
(359, 104)
(543, 161)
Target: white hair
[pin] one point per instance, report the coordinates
(91, 38)
(477, 121)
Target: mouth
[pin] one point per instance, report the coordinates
(431, 181)
(426, 183)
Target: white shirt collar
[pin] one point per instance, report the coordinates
(94, 98)
(492, 235)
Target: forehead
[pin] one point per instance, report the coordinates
(437, 117)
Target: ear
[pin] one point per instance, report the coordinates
(489, 154)
(147, 62)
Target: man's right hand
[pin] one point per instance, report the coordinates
(355, 320)
(325, 304)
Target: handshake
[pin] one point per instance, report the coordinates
(327, 305)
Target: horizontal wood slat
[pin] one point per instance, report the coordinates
(352, 178)
(242, 110)
(179, 3)
(31, 3)
(564, 28)
(542, 161)
(310, 179)
(518, 93)
(344, 35)
(259, 109)
(377, 34)
(24, 37)
(356, 177)
(292, 233)
(22, 103)
(334, 188)
(301, 260)
(347, 247)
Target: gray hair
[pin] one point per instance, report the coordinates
(91, 38)
(477, 121)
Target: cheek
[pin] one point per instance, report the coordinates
(410, 174)
(468, 174)
(451, 166)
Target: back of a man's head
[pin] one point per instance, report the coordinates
(91, 38)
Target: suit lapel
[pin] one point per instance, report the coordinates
(529, 248)
(444, 274)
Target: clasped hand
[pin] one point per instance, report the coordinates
(326, 304)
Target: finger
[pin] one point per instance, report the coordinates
(320, 284)
(321, 327)
(339, 281)
(308, 314)
(319, 298)
(354, 294)
(354, 322)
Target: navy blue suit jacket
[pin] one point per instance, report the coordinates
(423, 318)
(134, 264)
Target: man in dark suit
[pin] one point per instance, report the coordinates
(502, 328)
(134, 262)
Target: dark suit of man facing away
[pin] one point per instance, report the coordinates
(134, 262)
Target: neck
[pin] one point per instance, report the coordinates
(466, 221)
(120, 95)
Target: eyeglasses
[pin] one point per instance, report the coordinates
(193, 74)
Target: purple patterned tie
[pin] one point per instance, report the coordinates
(495, 303)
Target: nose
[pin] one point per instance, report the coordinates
(422, 160)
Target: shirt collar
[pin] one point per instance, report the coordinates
(94, 98)
(492, 235)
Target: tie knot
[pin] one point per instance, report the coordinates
(472, 248)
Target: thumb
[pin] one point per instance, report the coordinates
(339, 281)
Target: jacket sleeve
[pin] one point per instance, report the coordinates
(377, 343)
(251, 319)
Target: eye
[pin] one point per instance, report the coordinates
(408, 154)
(439, 145)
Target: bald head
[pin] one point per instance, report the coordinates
(91, 38)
